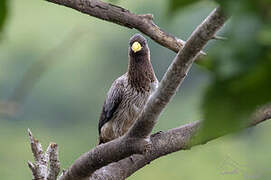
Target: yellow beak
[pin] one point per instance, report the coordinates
(136, 47)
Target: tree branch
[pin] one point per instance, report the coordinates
(164, 143)
(118, 15)
(102, 155)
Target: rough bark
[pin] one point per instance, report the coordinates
(102, 155)
(118, 15)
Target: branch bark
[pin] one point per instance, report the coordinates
(102, 155)
(164, 143)
(118, 15)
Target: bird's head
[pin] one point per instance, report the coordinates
(138, 46)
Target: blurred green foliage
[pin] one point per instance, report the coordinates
(240, 66)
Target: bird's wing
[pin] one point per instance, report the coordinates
(113, 99)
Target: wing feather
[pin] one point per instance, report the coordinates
(111, 104)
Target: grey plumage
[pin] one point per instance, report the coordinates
(128, 94)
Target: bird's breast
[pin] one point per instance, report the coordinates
(129, 109)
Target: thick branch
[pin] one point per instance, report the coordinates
(102, 155)
(134, 141)
(164, 143)
(115, 14)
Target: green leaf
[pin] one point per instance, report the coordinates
(3, 13)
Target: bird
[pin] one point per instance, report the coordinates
(129, 93)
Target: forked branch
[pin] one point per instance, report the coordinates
(46, 166)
